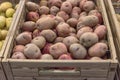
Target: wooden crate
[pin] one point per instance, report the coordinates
(32, 69)
(14, 2)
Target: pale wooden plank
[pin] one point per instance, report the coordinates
(23, 78)
(93, 79)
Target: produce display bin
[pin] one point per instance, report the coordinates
(31, 69)
(14, 2)
(113, 8)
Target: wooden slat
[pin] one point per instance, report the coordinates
(23, 78)
(94, 79)
(2, 74)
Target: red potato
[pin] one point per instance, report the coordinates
(70, 40)
(98, 14)
(49, 35)
(58, 39)
(19, 48)
(98, 50)
(58, 20)
(44, 10)
(24, 38)
(56, 3)
(36, 33)
(83, 14)
(95, 58)
(54, 10)
(73, 34)
(90, 20)
(78, 51)
(72, 30)
(88, 6)
(101, 31)
(46, 49)
(88, 39)
(63, 14)
(28, 26)
(73, 2)
(57, 50)
(84, 30)
(31, 51)
(45, 23)
(43, 2)
(65, 57)
(46, 57)
(66, 7)
(39, 41)
(76, 9)
(31, 6)
(72, 22)
(82, 2)
(63, 29)
(32, 16)
(74, 15)
(18, 55)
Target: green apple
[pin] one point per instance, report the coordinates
(4, 34)
(5, 5)
(1, 44)
(2, 22)
(8, 23)
(10, 12)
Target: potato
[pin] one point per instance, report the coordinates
(98, 50)
(46, 49)
(91, 21)
(54, 10)
(58, 49)
(76, 9)
(63, 29)
(44, 10)
(73, 2)
(39, 41)
(98, 14)
(101, 31)
(65, 57)
(24, 38)
(70, 40)
(58, 39)
(18, 55)
(74, 15)
(95, 58)
(28, 26)
(88, 39)
(43, 2)
(56, 3)
(72, 30)
(83, 14)
(63, 14)
(49, 35)
(84, 30)
(31, 6)
(66, 7)
(36, 33)
(45, 23)
(72, 22)
(78, 51)
(73, 34)
(46, 57)
(58, 20)
(32, 16)
(19, 48)
(31, 51)
(82, 2)
(88, 6)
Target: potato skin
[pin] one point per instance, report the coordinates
(31, 51)
(46, 48)
(58, 39)
(32, 16)
(49, 35)
(78, 51)
(72, 22)
(88, 39)
(19, 48)
(83, 30)
(63, 29)
(28, 26)
(70, 40)
(24, 38)
(54, 10)
(46, 57)
(95, 58)
(57, 50)
(18, 55)
(98, 50)
(43, 10)
(31, 6)
(73, 2)
(88, 6)
(54, 3)
(58, 20)
(63, 14)
(40, 41)
(76, 9)
(66, 7)
(65, 57)
(101, 31)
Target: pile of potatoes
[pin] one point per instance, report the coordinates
(62, 30)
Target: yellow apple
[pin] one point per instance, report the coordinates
(10, 12)
(5, 5)
(2, 22)
(4, 34)
(8, 23)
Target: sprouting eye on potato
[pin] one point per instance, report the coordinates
(62, 30)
